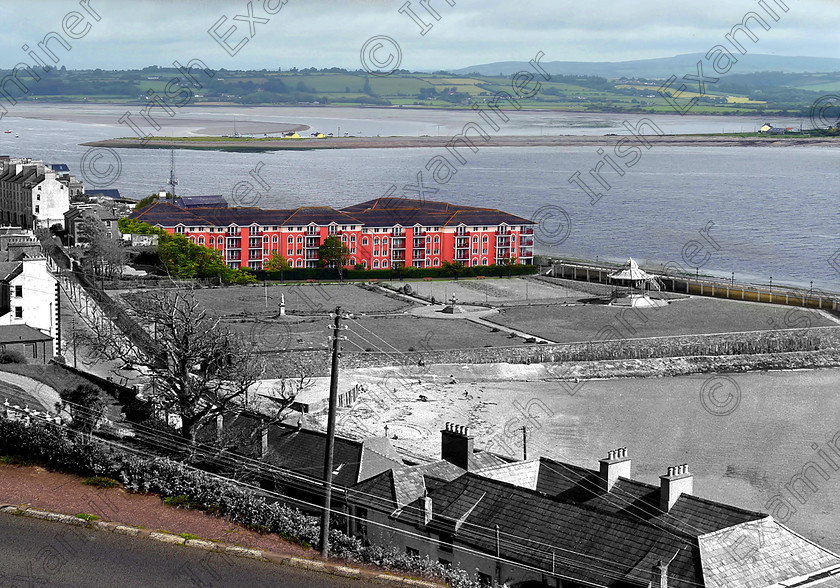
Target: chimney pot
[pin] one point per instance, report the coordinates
(677, 482)
(457, 445)
(616, 465)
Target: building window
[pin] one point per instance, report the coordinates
(201, 240)
(376, 240)
(352, 261)
(289, 251)
(300, 263)
(212, 240)
(300, 239)
(436, 262)
(291, 239)
(484, 261)
(376, 264)
(18, 312)
(485, 580)
(384, 263)
(437, 239)
(18, 291)
(364, 241)
(411, 552)
(445, 544)
(484, 239)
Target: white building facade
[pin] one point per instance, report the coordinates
(32, 195)
(29, 295)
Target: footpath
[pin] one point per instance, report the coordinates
(36, 492)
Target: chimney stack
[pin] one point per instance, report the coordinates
(677, 481)
(456, 445)
(616, 465)
(659, 575)
(427, 508)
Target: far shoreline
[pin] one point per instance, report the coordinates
(403, 142)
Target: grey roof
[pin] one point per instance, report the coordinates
(21, 334)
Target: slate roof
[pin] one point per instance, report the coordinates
(21, 333)
(167, 214)
(585, 544)
(303, 451)
(203, 201)
(763, 556)
(379, 212)
(408, 212)
(10, 270)
(548, 509)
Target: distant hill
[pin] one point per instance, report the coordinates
(662, 67)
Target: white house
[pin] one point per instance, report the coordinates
(29, 295)
(31, 194)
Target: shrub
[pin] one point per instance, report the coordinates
(12, 357)
(87, 517)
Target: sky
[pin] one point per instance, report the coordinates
(326, 33)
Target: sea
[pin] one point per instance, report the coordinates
(766, 214)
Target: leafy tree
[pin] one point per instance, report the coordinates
(452, 268)
(333, 253)
(181, 258)
(86, 406)
(276, 263)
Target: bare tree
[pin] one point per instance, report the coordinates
(199, 369)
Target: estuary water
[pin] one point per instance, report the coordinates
(774, 210)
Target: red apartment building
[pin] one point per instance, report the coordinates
(380, 234)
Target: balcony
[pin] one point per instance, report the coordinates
(527, 231)
(398, 255)
(526, 242)
(418, 253)
(526, 253)
(310, 256)
(462, 256)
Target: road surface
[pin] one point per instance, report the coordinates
(37, 553)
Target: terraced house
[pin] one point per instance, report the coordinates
(33, 194)
(545, 523)
(379, 234)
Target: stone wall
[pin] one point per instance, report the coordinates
(728, 344)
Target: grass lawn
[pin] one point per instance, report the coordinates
(682, 317)
(491, 290)
(301, 299)
(51, 375)
(390, 334)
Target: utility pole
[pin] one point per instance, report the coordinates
(73, 322)
(328, 457)
(524, 444)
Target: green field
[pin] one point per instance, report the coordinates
(790, 94)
